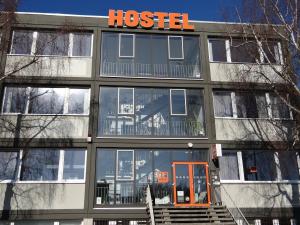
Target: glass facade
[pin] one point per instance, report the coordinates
(123, 174)
(150, 55)
(151, 112)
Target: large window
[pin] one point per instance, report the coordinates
(244, 51)
(54, 165)
(251, 165)
(150, 55)
(123, 174)
(256, 104)
(151, 112)
(51, 43)
(42, 100)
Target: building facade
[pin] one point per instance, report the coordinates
(97, 114)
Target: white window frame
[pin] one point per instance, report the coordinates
(133, 50)
(133, 105)
(210, 51)
(171, 103)
(60, 179)
(117, 165)
(182, 48)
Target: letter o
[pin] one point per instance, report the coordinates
(132, 18)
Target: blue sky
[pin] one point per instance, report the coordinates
(210, 10)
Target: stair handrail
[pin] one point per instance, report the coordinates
(236, 207)
(150, 204)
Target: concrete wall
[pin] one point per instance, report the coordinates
(253, 129)
(42, 196)
(50, 66)
(237, 72)
(43, 126)
(258, 195)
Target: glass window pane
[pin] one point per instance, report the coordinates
(126, 45)
(82, 44)
(40, 165)
(271, 52)
(279, 108)
(8, 165)
(289, 165)
(262, 106)
(143, 167)
(223, 104)
(52, 43)
(244, 51)
(126, 101)
(79, 101)
(256, 168)
(22, 42)
(47, 100)
(70, 222)
(178, 102)
(218, 50)
(15, 100)
(34, 222)
(74, 164)
(229, 169)
(246, 105)
(105, 166)
(176, 47)
(125, 165)
(124, 193)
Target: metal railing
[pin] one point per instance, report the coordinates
(126, 195)
(150, 70)
(150, 205)
(235, 211)
(123, 127)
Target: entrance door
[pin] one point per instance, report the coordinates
(191, 186)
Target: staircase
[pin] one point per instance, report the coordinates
(164, 215)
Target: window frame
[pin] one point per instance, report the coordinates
(210, 51)
(171, 103)
(182, 47)
(34, 45)
(133, 105)
(242, 174)
(117, 165)
(65, 104)
(60, 167)
(133, 45)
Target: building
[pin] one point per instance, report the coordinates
(103, 112)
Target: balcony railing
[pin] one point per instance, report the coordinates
(150, 70)
(127, 127)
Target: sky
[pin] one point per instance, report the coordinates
(207, 10)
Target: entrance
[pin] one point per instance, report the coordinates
(191, 187)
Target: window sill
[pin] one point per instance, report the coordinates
(271, 119)
(43, 182)
(165, 138)
(260, 182)
(152, 77)
(52, 56)
(246, 63)
(32, 114)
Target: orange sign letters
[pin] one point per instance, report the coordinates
(162, 177)
(146, 19)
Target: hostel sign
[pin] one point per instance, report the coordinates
(147, 20)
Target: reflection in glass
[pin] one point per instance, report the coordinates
(22, 42)
(74, 163)
(200, 184)
(82, 44)
(15, 100)
(8, 165)
(78, 101)
(125, 165)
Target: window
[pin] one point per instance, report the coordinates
(126, 100)
(52, 43)
(8, 165)
(82, 44)
(257, 222)
(15, 99)
(278, 107)
(125, 165)
(126, 45)
(229, 168)
(244, 51)
(271, 52)
(22, 42)
(40, 165)
(256, 168)
(74, 165)
(148, 112)
(223, 104)
(45, 222)
(79, 101)
(293, 222)
(175, 45)
(289, 168)
(43, 100)
(217, 48)
(251, 106)
(47, 101)
(275, 221)
(178, 101)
